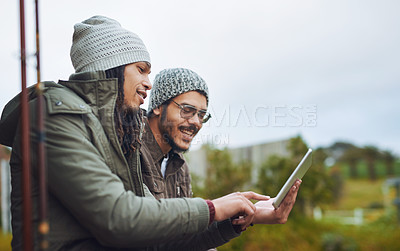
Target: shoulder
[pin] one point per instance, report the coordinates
(60, 99)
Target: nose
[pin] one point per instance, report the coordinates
(196, 120)
(147, 84)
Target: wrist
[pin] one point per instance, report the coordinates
(211, 209)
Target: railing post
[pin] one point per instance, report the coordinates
(25, 141)
(43, 227)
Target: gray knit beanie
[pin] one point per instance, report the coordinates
(100, 43)
(170, 83)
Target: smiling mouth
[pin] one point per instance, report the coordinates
(142, 94)
(189, 131)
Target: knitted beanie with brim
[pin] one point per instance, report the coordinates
(100, 43)
(170, 83)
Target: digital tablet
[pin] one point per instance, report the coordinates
(298, 173)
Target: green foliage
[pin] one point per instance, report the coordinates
(297, 234)
(224, 176)
(272, 174)
(297, 148)
(382, 234)
(371, 155)
(337, 183)
(197, 188)
(361, 193)
(5, 241)
(368, 161)
(275, 170)
(302, 233)
(317, 186)
(321, 186)
(5, 152)
(352, 156)
(389, 158)
(335, 241)
(362, 169)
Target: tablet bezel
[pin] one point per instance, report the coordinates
(298, 173)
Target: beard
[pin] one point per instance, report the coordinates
(166, 129)
(128, 122)
(131, 116)
(167, 137)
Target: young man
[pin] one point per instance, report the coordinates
(97, 199)
(177, 111)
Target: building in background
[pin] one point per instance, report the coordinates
(255, 154)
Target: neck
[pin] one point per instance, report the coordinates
(153, 123)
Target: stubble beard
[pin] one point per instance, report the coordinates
(166, 129)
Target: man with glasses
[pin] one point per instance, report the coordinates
(177, 111)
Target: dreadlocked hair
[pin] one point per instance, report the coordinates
(127, 120)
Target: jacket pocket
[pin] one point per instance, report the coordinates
(155, 184)
(183, 186)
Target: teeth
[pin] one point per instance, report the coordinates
(190, 133)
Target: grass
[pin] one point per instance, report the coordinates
(5, 242)
(360, 194)
(380, 231)
(306, 234)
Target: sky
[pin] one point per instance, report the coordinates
(326, 70)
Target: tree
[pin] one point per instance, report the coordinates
(337, 149)
(273, 174)
(297, 148)
(389, 158)
(352, 156)
(317, 186)
(323, 185)
(224, 176)
(371, 155)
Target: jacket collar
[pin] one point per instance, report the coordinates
(100, 94)
(94, 88)
(151, 143)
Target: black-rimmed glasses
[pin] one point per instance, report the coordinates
(188, 111)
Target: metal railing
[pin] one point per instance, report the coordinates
(43, 227)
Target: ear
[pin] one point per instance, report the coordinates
(157, 111)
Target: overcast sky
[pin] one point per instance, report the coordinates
(327, 70)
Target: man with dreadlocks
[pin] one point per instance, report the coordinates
(97, 199)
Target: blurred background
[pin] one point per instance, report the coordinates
(283, 76)
(349, 198)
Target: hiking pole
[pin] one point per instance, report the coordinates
(43, 227)
(25, 142)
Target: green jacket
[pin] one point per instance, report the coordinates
(93, 201)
